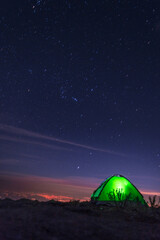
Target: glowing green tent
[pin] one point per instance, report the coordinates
(117, 188)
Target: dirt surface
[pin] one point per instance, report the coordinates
(33, 220)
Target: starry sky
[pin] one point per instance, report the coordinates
(79, 96)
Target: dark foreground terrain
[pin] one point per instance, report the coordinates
(33, 220)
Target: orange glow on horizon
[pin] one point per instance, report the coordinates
(150, 193)
(58, 198)
(61, 198)
(40, 196)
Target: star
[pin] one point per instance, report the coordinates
(75, 99)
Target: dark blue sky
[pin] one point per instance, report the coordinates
(88, 73)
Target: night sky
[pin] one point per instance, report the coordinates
(79, 96)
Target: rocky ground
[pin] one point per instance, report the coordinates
(33, 220)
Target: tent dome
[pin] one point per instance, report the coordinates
(117, 188)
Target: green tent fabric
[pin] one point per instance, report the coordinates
(117, 188)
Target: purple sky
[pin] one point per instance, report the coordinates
(79, 95)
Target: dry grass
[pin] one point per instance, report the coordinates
(27, 220)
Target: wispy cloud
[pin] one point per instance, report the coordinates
(9, 161)
(41, 144)
(18, 162)
(26, 133)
